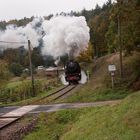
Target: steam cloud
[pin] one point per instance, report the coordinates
(60, 35)
(63, 33)
(82, 81)
(21, 34)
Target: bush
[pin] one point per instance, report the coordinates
(20, 92)
(24, 76)
(4, 73)
(16, 69)
(136, 65)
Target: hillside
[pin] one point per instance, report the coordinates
(120, 122)
(114, 122)
(99, 86)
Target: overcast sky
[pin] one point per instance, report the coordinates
(11, 9)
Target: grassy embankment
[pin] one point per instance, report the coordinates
(119, 122)
(99, 88)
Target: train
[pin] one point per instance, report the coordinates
(72, 72)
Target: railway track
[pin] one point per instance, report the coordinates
(12, 116)
(64, 91)
(7, 121)
(56, 95)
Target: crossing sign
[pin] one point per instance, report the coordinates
(111, 68)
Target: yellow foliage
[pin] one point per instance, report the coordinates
(87, 54)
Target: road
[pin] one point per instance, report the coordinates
(18, 111)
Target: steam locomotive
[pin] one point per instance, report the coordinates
(72, 72)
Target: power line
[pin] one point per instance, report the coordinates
(10, 42)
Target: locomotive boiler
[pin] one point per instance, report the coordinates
(72, 72)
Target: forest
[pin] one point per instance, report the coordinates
(113, 26)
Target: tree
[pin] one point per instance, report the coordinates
(111, 37)
(37, 58)
(16, 69)
(129, 13)
(11, 55)
(4, 73)
(48, 60)
(87, 55)
(2, 25)
(99, 25)
(97, 9)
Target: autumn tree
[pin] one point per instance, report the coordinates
(99, 26)
(87, 55)
(129, 14)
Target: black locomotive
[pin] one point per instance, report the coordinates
(72, 72)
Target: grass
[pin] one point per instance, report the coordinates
(19, 82)
(120, 122)
(13, 84)
(16, 89)
(51, 126)
(88, 94)
(33, 100)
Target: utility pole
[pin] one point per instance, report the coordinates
(120, 39)
(31, 69)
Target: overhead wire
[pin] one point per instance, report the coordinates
(11, 42)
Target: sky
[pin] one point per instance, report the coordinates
(17, 9)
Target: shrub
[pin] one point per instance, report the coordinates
(20, 92)
(4, 73)
(136, 66)
(16, 69)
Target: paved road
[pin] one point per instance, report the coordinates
(17, 110)
(4, 110)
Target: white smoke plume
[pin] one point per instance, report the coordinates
(83, 78)
(57, 61)
(21, 34)
(60, 35)
(63, 33)
(82, 81)
(63, 80)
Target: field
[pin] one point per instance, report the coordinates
(19, 92)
